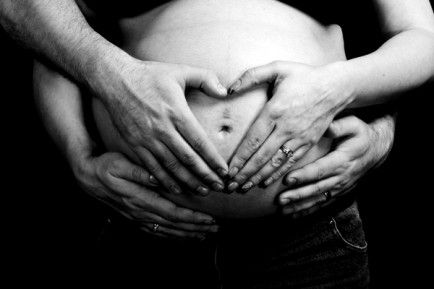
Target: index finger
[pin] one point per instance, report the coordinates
(255, 76)
(193, 133)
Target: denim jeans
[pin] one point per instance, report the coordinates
(322, 251)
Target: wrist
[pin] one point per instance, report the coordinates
(78, 153)
(342, 82)
(105, 67)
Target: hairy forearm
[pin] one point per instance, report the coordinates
(403, 62)
(57, 31)
(384, 129)
(60, 105)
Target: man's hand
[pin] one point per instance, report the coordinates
(304, 101)
(359, 148)
(148, 106)
(126, 188)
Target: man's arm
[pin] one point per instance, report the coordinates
(145, 100)
(360, 147)
(109, 177)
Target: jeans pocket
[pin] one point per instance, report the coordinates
(348, 228)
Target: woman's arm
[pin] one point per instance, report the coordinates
(145, 100)
(110, 177)
(403, 62)
(307, 98)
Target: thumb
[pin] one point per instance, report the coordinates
(255, 76)
(205, 80)
(345, 126)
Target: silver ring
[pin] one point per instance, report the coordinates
(327, 195)
(287, 151)
(155, 227)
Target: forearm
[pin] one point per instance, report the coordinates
(57, 31)
(384, 129)
(60, 105)
(404, 62)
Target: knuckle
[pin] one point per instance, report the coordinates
(137, 173)
(317, 189)
(251, 75)
(256, 178)
(197, 144)
(259, 160)
(172, 165)
(275, 110)
(320, 172)
(253, 142)
(276, 161)
(241, 177)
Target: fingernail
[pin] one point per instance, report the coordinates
(233, 186)
(284, 201)
(222, 172)
(208, 221)
(233, 172)
(268, 181)
(215, 229)
(217, 187)
(202, 190)
(176, 190)
(247, 186)
(221, 89)
(291, 181)
(234, 87)
(153, 180)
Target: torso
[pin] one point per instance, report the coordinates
(227, 37)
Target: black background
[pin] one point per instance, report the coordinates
(50, 226)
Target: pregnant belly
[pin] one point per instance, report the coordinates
(218, 39)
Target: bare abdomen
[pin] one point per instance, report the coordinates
(226, 44)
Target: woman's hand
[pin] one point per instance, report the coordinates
(126, 187)
(304, 101)
(148, 106)
(359, 148)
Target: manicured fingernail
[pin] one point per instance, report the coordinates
(291, 181)
(222, 172)
(153, 180)
(233, 186)
(247, 186)
(268, 181)
(202, 190)
(233, 172)
(217, 187)
(234, 87)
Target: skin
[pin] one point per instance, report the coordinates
(111, 177)
(72, 46)
(128, 188)
(338, 171)
(145, 99)
(297, 122)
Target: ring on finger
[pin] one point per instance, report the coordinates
(327, 195)
(286, 151)
(155, 227)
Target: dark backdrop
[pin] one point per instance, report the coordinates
(50, 226)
